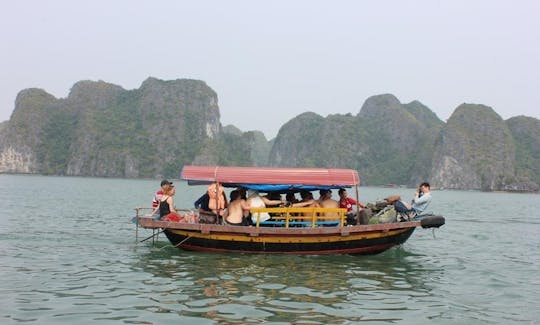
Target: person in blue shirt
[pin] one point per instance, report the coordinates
(202, 203)
(421, 200)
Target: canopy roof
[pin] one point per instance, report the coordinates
(271, 178)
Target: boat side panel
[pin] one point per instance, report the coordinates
(330, 245)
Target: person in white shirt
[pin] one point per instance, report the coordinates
(421, 200)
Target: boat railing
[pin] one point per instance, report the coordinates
(305, 216)
(283, 216)
(139, 211)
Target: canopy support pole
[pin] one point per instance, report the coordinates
(358, 220)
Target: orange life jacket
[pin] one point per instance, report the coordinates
(217, 199)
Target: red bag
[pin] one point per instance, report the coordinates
(174, 217)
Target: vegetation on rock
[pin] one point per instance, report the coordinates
(101, 129)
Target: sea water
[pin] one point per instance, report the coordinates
(68, 255)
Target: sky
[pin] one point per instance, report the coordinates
(269, 61)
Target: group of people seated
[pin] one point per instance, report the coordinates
(236, 210)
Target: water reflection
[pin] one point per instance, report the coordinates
(279, 288)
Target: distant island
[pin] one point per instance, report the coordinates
(103, 130)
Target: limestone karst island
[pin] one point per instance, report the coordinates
(101, 129)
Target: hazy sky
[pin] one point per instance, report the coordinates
(269, 61)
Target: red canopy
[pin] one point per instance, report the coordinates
(271, 175)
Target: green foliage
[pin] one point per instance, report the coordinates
(162, 126)
(234, 150)
(58, 134)
(527, 158)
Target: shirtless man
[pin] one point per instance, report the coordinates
(326, 201)
(307, 201)
(236, 209)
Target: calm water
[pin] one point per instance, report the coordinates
(68, 254)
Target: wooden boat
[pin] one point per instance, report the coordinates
(287, 233)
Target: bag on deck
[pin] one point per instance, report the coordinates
(207, 218)
(393, 198)
(173, 217)
(386, 215)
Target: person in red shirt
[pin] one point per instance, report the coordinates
(348, 203)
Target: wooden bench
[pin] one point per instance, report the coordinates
(296, 216)
(281, 223)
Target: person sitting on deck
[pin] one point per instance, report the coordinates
(235, 212)
(275, 196)
(307, 201)
(421, 200)
(348, 203)
(291, 198)
(256, 201)
(202, 203)
(159, 193)
(166, 208)
(157, 197)
(243, 192)
(326, 201)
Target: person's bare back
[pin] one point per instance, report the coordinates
(236, 208)
(326, 201)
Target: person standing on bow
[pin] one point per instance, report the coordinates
(217, 199)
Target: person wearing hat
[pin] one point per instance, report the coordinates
(165, 184)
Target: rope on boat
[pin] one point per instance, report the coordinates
(180, 243)
(156, 234)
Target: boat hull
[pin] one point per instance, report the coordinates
(371, 242)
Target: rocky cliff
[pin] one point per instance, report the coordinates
(475, 151)
(391, 142)
(385, 141)
(101, 129)
(20, 138)
(526, 134)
